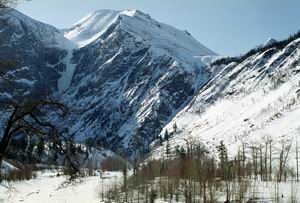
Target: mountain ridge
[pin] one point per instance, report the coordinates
(246, 102)
(96, 23)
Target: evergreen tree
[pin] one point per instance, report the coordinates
(160, 140)
(222, 152)
(182, 152)
(175, 127)
(177, 150)
(224, 166)
(168, 149)
(167, 135)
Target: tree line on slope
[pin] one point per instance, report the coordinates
(278, 45)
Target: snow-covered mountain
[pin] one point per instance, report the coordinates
(249, 100)
(130, 78)
(132, 75)
(124, 73)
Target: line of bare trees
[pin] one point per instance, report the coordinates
(191, 174)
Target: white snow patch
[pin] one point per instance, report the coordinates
(91, 27)
(5, 95)
(65, 80)
(6, 167)
(25, 81)
(47, 188)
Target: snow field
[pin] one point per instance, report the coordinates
(49, 188)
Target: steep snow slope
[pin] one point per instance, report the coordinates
(65, 80)
(91, 27)
(245, 102)
(132, 75)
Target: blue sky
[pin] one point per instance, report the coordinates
(229, 27)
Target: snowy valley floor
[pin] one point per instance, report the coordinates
(49, 188)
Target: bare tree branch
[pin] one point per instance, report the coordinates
(30, 117)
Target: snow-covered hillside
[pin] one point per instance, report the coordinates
(246, 102)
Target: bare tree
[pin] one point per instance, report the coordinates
(297, 161)
(31, 118)
(254, 152)
(270, 160)
(284, 153)
(268, 155)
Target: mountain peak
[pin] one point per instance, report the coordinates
(161, 38)
(128, 12)
(94, 24)
(131, 13)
